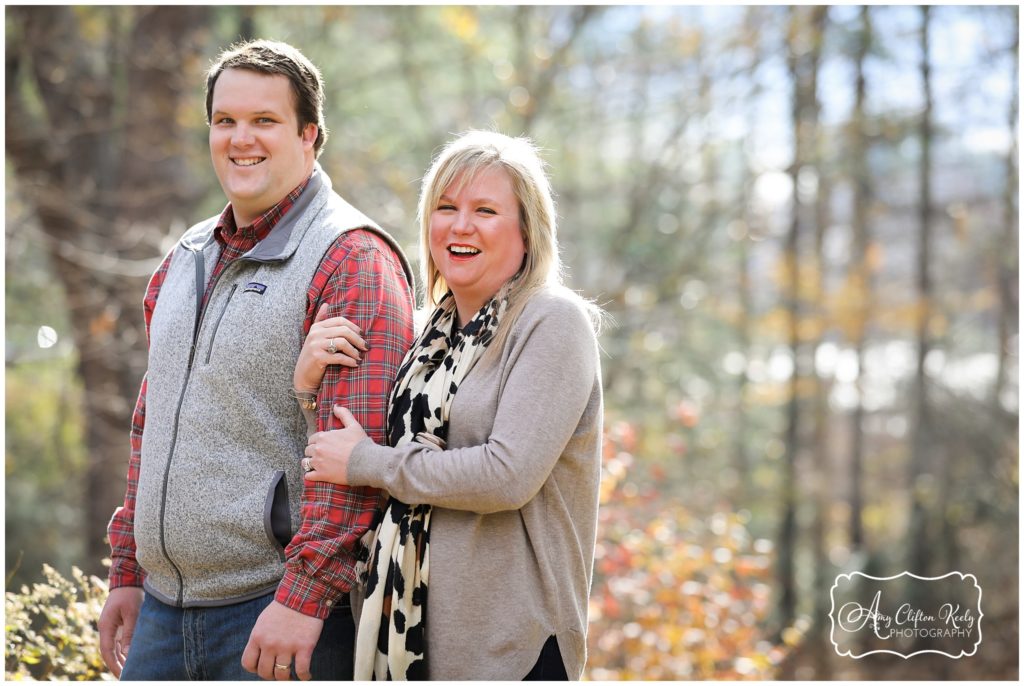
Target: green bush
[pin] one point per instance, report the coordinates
(52, 629)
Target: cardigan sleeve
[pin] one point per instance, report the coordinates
(549, 378)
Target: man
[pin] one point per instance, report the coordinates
(245, 568)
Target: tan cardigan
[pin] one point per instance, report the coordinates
(515, 495)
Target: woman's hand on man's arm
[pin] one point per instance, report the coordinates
(315, 355)
(328, 452)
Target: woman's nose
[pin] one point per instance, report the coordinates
(462, 222)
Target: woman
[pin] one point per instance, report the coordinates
(494, 432)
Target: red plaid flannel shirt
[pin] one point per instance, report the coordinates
(357, 277)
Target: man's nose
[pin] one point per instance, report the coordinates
(241, 135)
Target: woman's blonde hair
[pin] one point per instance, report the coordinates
(461, 160)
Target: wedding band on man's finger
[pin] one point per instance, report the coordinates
(307, 464)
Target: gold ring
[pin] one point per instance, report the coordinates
(307, 465)
(277, 666)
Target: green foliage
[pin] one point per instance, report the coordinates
(45, 460)
(51, 629)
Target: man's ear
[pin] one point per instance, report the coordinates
(310, 133)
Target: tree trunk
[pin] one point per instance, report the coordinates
(1006, 249)
(787, 536)
(406, 25)
(246, 23)
(105, 176)
(740, 456)
(540, 82)
(861, 278)
(920, 483)
(819, 468)
(741, 459)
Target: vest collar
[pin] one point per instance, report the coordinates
(285, 237)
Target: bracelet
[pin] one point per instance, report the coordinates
(307, 399)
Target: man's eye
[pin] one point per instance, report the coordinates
(265, 120)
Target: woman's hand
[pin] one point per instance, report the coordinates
(316, 355)
(328, 452)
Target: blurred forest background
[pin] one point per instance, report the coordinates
(803, 220)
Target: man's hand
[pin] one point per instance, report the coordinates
(117, 624)
(281, 635)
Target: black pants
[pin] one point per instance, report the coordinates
(549, 665)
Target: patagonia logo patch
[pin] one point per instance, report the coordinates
(254, 287)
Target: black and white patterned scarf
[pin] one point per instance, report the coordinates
(392, 627)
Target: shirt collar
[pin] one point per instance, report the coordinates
(246, 237)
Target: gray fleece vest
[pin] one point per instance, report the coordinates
(220, 484)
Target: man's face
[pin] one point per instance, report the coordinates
(257, 151)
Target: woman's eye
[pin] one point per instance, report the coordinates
(446, 207)
(264, 120)
(487, 210)
(224, 120)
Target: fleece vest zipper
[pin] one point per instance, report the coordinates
(197, 254)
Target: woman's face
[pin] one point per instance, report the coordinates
(475, 238)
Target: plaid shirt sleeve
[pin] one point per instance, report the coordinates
(124, 568)
(362, 280)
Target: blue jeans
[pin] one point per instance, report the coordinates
(206, 643)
